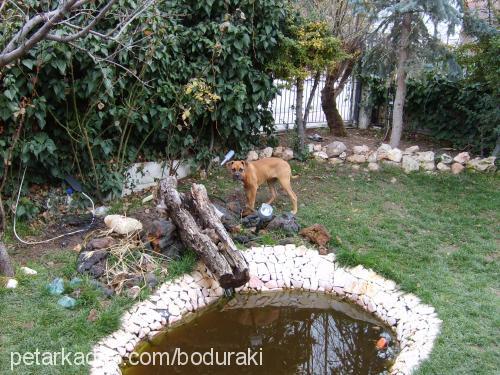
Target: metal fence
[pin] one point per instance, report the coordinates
(283, 106)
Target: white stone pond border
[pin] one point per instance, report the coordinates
(273, 269)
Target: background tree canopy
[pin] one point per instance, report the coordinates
(185, 75)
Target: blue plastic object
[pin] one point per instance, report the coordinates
(56, 286)
(67, 302)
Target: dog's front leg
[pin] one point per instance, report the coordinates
(251, 192)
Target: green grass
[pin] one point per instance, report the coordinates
(436, 235)
(32, 320)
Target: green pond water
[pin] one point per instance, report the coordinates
(287, 333)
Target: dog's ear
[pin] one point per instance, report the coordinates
(228, 164)
(245, 163)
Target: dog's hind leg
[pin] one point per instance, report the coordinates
(285, 182)
(272, 190)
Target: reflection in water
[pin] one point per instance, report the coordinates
(294, 340)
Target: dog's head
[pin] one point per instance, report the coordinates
(237, 169)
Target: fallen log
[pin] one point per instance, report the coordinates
(224, 261)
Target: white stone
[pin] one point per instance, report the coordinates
(442, 167)
(383, 151)
(252, 155)
(426, 156)
(11, 284)
(320, 155)
(335, 148)
(122, 225)
(482, 165)
(373, 167)
(287, 154)
(28, 271)
(361, 150)
(410, 164)
(462, 158)
(266, 153)
(457, 168)
(358, 159)
(395, 155)
(411, 150)
(278, 151)
(428, 165)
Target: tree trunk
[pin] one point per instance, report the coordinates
(299, 119)
(399, 100)
(311, 97)
(223, 260)
(6, 268)
(365, 110)
(329, 105)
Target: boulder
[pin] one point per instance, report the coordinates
(122, 225)
(11, 284)
(426, 156)
(411, 150)
(383, 151)
(372, 157)
(373, 167)
(428, 165)
(343, 156)
(310, 147)
(320, 155)
(28, 271)
(278, 152)
(266, 153)
(287, 154)
(335, 149)
(457, 168)
(410, 164)
(442, 167)
(286, 222)
(462, 158)
(361, 150)
(252, 155)
(357, 159)
(482, 165)
(317, 147)
(395, 155)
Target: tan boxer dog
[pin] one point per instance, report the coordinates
(255, 173)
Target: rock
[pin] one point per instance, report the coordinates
(335, 149)
(99, 243)
(28, 271)
(462, 158)
(92, 262)
(151, 280)
(317, 147)
(356, 158)
(428, 165)
(11, 284)
(310, 147)
(133, 292)
(250, 221)
(67, 302)
(75, 282)
(122, 225)
(411, 150)
(108, 292)
(457, 168)
(445, 159)
(482, 165)
(286, 222)
(343, 156)
(92, 317)
(426, 156)
(56, 287)
(252, 156)
(266, 153)
(361, 150)
(395, 155)
(278, 151)
(315, 137)
(317, 234)
(335, 161)
(410, 164)
(287, 154)
(383, 151)
(373, 167)
(372, 157)
(442, 167)
(163, 238)
(320, 155)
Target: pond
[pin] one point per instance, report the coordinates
(287, 333)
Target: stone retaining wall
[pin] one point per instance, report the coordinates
(274, 269)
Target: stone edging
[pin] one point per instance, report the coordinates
(276, 268)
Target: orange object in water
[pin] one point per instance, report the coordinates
(382, 343)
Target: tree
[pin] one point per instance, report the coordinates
(309, 48)
(406, 24)
(25, 25)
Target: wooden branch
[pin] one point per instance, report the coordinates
(193, 237)
(209, 218)
(6, 268)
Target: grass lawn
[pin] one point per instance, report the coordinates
(436, 235)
